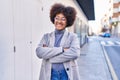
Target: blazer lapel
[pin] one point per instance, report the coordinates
(64, 38)
(52, 39)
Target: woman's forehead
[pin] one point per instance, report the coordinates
(60, 15)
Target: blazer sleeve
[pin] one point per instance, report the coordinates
(72, 53)
(47, 52)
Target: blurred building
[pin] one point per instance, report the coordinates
(106, 21)
(110, 22)
(116, 18)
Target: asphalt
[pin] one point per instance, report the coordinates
(114, 59)
(92, 62)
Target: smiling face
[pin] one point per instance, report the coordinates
(60, 21)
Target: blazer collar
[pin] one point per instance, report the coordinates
(52, 38)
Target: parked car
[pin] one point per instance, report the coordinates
(106, 35)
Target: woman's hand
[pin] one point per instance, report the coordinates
(44, 45)
(66, 48)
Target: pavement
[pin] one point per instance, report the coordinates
(92, 62)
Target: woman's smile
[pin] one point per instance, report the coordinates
(60, 21)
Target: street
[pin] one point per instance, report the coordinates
(112, 49)
(100, 59)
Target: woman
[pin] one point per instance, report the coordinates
(59, 49)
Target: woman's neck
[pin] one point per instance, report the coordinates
(59, 31)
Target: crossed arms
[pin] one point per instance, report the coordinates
(59, 54)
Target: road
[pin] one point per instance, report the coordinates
(112, 48)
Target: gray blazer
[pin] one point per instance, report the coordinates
(53, 54)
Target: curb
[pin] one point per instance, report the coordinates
(113, 74)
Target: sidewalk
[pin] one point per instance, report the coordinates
(92, 63)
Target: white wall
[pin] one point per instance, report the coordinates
(6, 41)
(22, 25)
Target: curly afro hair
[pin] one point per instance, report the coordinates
(68, 12)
